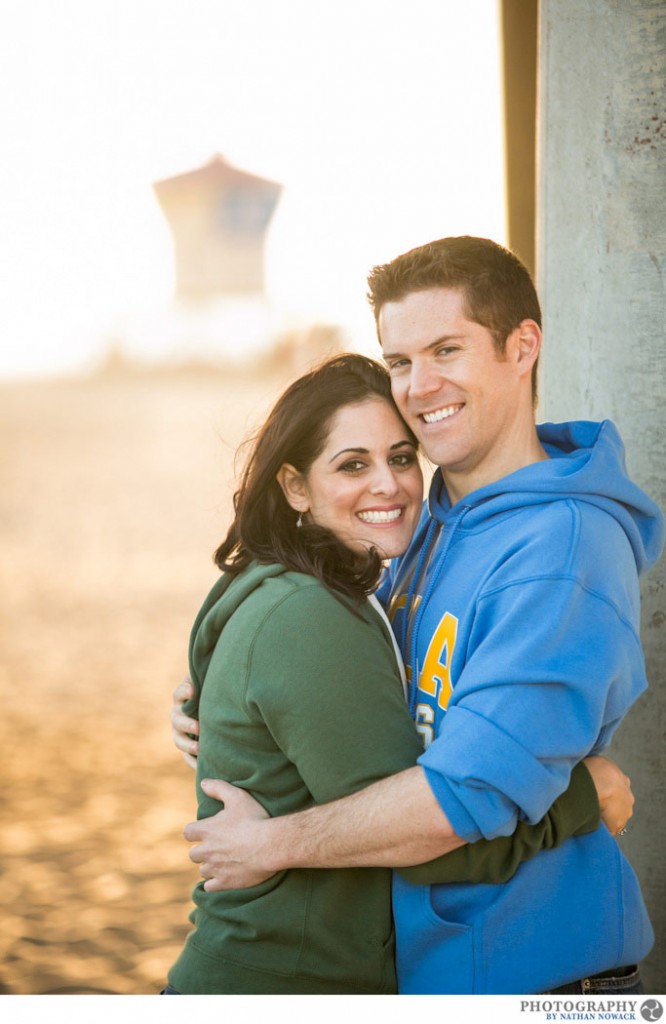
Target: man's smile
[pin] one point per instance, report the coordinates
(441, 414)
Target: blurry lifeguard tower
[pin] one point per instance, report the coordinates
(218, 216)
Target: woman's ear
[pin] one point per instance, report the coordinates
(293, 487)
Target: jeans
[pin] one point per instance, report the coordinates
(621, 980)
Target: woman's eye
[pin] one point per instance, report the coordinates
(353, 466)
(403, 459)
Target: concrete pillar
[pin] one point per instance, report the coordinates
(601, 261)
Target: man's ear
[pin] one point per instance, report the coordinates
(293, 487)
(527, 341)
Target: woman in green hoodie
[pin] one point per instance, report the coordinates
(298, 691)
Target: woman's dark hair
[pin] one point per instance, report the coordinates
(264, 527)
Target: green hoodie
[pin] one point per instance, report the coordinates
(303, 704)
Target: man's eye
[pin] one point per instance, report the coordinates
(398, 364)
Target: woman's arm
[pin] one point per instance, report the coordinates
(598, 790)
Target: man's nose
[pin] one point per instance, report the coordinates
(423, 380)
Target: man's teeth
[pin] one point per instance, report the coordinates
(441, 414)
(380, 517)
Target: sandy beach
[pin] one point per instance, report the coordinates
(114, 492)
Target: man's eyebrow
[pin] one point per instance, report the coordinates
(426, 348)
(366, 451)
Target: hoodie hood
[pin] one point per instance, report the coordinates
(223, 600)
(586, 463)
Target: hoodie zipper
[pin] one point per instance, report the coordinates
(413, 621)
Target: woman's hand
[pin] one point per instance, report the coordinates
(183, 729)
(614, 791)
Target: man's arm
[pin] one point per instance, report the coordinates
(393, 822)
(240, 846)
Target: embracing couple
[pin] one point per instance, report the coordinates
(400, 706)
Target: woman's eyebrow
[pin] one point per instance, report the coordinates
(344, 451)
(366, 451)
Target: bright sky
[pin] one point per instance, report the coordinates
(382, 122)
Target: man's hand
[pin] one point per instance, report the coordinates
(183, 729)
(616, 800)
(229, 841)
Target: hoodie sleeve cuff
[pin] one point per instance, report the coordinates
(484, 779)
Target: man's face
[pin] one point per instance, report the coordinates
(464, 402)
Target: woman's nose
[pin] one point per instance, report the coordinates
(384, 481)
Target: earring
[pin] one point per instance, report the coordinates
(299, 521)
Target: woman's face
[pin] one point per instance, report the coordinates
(366, 484)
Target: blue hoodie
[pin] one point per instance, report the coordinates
(523, 654)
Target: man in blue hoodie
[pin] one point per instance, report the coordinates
(517, 611)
